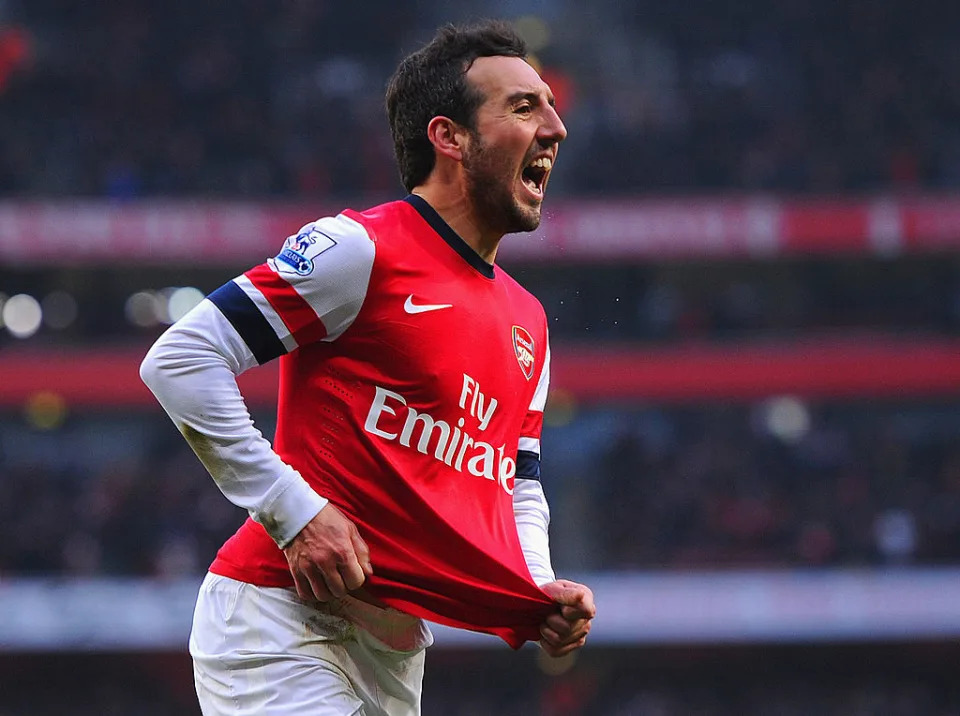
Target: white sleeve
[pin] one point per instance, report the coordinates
(311, 291)
(192, 370)
(530, 507)
(533, 520)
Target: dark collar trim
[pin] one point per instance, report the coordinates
(430, 215)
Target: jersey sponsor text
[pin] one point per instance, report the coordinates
(453, 446)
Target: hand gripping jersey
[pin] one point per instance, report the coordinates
(413, 379)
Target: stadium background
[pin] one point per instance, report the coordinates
(750, 264)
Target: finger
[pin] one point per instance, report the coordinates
(550, 636)
(302, 584)
(558, 639)
(318, 587)
(584, 604)
(563, 637)
(574, 632)
(578, 632)
(558, 651)
(571, 594)
(352, 574)
(564, 650)
(334, 582)
(363, 553)
(577, 604)
(559, 624)
(549, 648)
(572, 614)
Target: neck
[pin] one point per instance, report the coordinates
(455, 208)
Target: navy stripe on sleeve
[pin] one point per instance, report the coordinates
(528, 465)
(244, 315)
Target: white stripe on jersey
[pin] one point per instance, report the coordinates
(260, 301)
(337, 284)
(540, 395)
(529, 445)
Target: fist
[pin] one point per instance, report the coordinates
(566, 629)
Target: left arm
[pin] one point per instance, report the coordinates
(530, 507)
(533, 520)
(565, 630)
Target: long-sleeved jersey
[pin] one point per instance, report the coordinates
(412, 384)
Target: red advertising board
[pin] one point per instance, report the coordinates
(223, 233)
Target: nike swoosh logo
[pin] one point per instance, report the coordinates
(410, 307)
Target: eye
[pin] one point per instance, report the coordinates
(523, 108)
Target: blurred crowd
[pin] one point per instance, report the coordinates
(267, 99)
(108, 494)
(648, 302)
(584, 694)
(665, 302)
(774, 483)
(797, 697)
(766, 484)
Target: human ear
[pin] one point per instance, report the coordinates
(447, 137)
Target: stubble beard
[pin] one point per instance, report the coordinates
(490, 185)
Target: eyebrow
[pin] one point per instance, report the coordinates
(530, 96)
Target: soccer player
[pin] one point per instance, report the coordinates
(404, 479)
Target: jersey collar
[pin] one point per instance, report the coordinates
(446, 233)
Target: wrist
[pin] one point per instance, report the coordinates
(289, 509)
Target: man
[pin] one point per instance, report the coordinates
(404, 479)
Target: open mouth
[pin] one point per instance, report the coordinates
(535, 175)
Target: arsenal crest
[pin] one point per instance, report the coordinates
(523, 346)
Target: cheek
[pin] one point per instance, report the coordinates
(497, 164)
(512, 157)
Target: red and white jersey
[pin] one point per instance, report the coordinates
(413, 380)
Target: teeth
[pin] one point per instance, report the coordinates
(542, 163)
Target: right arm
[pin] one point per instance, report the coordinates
(192, 370)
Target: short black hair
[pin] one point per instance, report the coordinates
(431, 82)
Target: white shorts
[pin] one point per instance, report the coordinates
(262, 650)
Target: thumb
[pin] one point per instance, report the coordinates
(363, 553)
(571, 594)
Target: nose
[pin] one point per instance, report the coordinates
(552, 129)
